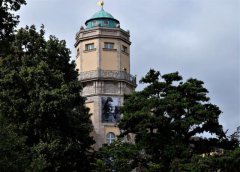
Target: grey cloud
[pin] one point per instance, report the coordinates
(198, 38)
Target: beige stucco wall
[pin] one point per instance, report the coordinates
(87, 60)
(90, 105)
(101, 58)
(125, 58)
(125, 62)
(109, 60)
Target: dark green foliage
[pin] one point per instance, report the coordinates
(8, 21)
(119, 156)
(166, 118)
(227, 161)
(40, 97)
(14, 154)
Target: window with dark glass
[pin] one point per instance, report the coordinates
(89, 46)
(108, 45)
(124, 49)
(105, 22)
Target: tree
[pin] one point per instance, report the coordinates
(223, 160)
(116, 157)
(14, 153)
(227, 162)
(8, 21)
(40, 98)
(167, 119)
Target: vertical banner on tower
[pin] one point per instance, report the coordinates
(111, 109)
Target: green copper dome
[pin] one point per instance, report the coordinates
(102, 14)
(102, 19)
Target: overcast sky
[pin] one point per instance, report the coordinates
(198, 38)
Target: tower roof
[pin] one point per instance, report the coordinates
(102, 19)
(102, 14)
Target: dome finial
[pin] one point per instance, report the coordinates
(101, 3)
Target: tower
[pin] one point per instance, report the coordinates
(103, 62)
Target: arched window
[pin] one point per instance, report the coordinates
(110, 137)
(129, 139)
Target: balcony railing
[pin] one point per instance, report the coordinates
(107, 74)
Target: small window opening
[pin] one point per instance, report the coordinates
(108, 45)
(89, 46)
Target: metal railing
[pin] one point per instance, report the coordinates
(107, 74)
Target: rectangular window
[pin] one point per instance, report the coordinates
(106, 22)
(124, 49)
(108, 45)
(89, 46)
(94, 23)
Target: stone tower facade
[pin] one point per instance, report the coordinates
(103, 62)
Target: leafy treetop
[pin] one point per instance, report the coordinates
(167, 119)
(40, 102)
